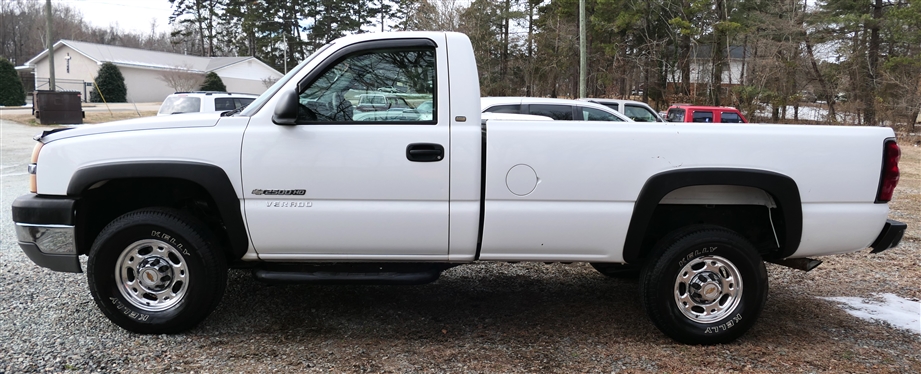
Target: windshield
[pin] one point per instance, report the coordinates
(256, 105)
(180, 104)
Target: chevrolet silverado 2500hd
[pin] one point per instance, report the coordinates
(301, 187)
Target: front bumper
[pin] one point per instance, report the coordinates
(890, 236)
(45, 230)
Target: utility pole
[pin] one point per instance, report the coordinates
(49, 42)
(583, 59)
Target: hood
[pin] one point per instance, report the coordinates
(145, 123)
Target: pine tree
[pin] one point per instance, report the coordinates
(110, 81)
(213, 82)
(11, 93)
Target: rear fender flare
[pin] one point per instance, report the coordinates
(782, 189)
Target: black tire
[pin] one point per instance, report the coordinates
(620, 271)
(160, 257)
(711, 307)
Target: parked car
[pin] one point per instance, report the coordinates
(635, 110)
(204, 101)
(425, 110)
(512, 117)
(696, 113)
(393, 89)
(557, 109)
(376, 102)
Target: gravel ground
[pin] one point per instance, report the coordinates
(484, 317)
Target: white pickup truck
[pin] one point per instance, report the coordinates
(299, 188)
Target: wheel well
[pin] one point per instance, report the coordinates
(106, 200)
(756, 223)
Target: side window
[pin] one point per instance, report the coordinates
(349, 91)
(675, 115)
(639, 114)
(612, 106)
(729, 117)
(592, 114)
(513, 109)
(223, 103)
(557, 112)
(242, 103)
(703, 116)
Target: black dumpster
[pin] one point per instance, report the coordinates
(51, 107)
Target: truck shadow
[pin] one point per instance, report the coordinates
(473, 300)
(491, 302)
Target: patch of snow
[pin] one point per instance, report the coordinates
(896, 311)
(811, 113)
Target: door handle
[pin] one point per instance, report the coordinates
(425, 152)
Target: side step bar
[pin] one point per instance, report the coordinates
(350, 274)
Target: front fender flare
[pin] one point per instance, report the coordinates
(210, 177)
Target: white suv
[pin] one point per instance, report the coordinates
(556, 109)
(204, 101)
(636, 110)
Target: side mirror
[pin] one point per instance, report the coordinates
(286, 109)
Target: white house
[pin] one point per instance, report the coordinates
(76, 65)
(734, 67)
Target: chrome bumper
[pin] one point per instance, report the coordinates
(45, 231)
(50, 239)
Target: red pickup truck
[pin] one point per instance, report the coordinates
(695, 113)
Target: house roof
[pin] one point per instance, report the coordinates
(142, 58)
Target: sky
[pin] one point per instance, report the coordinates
(130, 15)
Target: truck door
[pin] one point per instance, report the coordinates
(349, 184)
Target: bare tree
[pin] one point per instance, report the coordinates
(182, 78)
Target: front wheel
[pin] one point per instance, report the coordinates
(156, 271)
(704, 285)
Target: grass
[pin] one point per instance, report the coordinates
(91, 117)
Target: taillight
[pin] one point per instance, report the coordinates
(890, 175)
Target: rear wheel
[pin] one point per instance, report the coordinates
(156, 271)
(704, 285)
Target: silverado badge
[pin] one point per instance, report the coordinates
(279, 192)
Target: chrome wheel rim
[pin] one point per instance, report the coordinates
(708, 289)
(152, 275)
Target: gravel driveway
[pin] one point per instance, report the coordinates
(485, 317)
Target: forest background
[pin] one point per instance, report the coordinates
(855, 61)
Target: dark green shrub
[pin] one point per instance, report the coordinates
(213, 83)
(11, 92)
(110, 81)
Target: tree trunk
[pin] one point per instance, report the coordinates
(201, 27)
(684, 64)
(716, 78)
(827, 94)
(869, 99)
(530, 76)
(505, 40)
